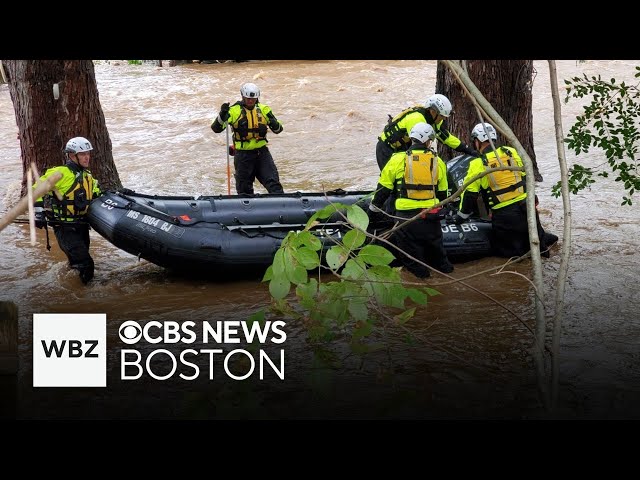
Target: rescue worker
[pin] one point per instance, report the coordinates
(66, 208)
(395, 136)
(505, 194)
(249, 120)
(419, 177)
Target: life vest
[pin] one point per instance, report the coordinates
(251, 124)
(75, 201)
(420, 175)
(394, 135)
(504, 185)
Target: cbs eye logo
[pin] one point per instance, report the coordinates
(130, 332)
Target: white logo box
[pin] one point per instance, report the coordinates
(69, 350)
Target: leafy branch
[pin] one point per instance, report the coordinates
(608, 122)
(366, 296)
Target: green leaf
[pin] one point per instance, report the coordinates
(385, 272)
(298, 275)
(268, 275)
(309, 289)
(291, 240)
(324, 213)
(310, 240)
(431, 292)
(354, 269)
(398, 293)
(375, 255)
(417, 296)
(336, 256)
(354, 239)
(358, 310)
(295, 273)
(357, 217)
(382, 293)
(404, 317)
(279, 288)
(308, 258)
(278, 263)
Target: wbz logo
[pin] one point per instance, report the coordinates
(74, 349)
(69, 350)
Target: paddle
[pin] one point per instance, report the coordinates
(228, 164)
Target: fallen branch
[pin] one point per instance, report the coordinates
(22, 206)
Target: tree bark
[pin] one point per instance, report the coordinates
(45, 123)
(507, 85)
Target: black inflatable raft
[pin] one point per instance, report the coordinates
(235, 233)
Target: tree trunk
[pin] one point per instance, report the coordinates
(507, 85)
(45, 123)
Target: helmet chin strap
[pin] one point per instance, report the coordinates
(75, 160)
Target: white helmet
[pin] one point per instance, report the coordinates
(483, 133)
(78, 145)
(422, 132)
(250, 90)
(440, 103)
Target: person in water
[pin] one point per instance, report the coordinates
(504, 192)
(395, 136)
(67, 212)
(249, 120)
(419, 176)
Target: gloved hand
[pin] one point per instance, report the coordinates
(458, 218)
(262, 129)
(448, 210)
(40, 219)
(449, 218)
(224, 112)
(375, 216)
(464, 148)
(273, 122)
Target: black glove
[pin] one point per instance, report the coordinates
(448, 209)
(224, 112)
(262, 129)
(464, 148)
(273, 122)
(458, 219)
(40, 220)
(374, 216)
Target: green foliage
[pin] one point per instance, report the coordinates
(366, 297)
(608, 122)
(134, 62)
